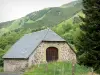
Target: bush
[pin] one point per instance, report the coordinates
(1, 69)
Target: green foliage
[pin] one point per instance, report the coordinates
(88, 42)
(1, 69)
(1, 54)
(69, 29)
(56, 68)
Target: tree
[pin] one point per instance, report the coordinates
(88, 43)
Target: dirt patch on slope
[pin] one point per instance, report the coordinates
(90, 73)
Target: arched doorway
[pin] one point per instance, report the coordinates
(51, 54)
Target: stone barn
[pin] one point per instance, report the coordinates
(36, 48)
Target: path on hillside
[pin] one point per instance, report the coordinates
(90, 73)
(8, 73)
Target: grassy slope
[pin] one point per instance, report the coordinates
(56, 68)
(52, 16)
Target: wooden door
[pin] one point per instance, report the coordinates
(51, 54)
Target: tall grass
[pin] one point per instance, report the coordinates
(1, 69)
(56, 68)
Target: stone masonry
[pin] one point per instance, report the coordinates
(15, 65)
(65, 53)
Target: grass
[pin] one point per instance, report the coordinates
(1, 69)
(56, 68)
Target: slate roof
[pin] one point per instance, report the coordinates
(27, 44)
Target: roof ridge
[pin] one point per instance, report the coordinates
(45, 35)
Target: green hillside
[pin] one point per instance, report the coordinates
(52, 16)
(47, 17)
(69, 29)
(56, 68)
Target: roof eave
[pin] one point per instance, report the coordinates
(52, 41)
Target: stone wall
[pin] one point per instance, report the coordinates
(14, 65)
(65, 53)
